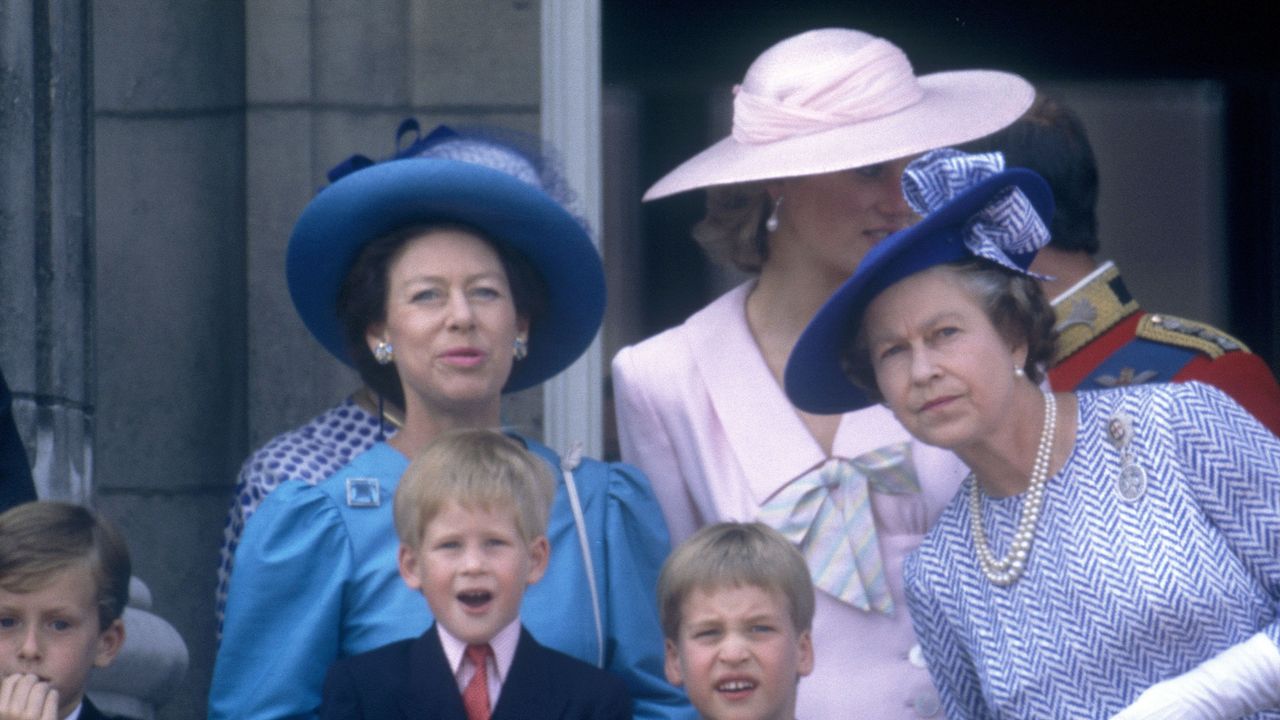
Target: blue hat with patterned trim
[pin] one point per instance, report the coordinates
(480, 178)
(972, 207)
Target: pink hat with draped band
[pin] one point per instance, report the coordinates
(834, 99)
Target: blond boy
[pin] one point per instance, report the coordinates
(64, 582)
(736, 604)
(471, 513)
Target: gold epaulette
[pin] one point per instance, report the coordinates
(1189, 334)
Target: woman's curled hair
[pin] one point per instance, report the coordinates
(732, 232)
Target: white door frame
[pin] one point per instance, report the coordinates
(573, 401)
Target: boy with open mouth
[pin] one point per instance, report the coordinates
(471, 513)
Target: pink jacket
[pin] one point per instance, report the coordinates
(701, 415)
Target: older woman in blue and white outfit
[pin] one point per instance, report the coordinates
(447, 276)
(1111, 554)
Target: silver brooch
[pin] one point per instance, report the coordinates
(1131, 481)
(363, 492)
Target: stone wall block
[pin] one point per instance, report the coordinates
(278, 51)
(174, 55)
(476, 52)
(361, 52)
(291, 377)
(18, 307)
(170, 301)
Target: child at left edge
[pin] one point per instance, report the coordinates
(471, 513)
(64, 582)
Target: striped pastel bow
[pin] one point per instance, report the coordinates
(827, 514)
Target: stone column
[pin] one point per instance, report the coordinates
(169, 298)
(46, 246)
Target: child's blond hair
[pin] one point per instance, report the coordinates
(476, 469)
(735, 554)
(40, 539)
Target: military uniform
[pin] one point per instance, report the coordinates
(1106, 340)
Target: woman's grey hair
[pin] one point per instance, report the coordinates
(1014, 303)
(732, 232)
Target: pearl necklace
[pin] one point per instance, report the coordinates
(1006, 570)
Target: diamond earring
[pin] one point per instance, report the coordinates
(384, 352)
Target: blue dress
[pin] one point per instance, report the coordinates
(1127, 583)
(316, 579)
(311, 453)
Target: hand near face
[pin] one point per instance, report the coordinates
(26, 697)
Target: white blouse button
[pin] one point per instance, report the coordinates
(927, 704)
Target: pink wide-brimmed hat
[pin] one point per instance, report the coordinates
(834, 99)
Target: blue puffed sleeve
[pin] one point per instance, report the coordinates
(636, 545)
(284, 608)
(628, 542)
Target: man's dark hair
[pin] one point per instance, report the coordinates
(1050, 139)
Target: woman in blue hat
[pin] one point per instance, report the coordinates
(447, 277)
(1111, 554)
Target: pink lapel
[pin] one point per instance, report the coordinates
(765, 434)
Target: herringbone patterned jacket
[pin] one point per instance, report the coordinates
(1130, 581)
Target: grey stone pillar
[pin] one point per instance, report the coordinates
(169, 300)
(46, 278)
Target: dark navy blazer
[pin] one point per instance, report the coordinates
(89, 712)
(412, 679)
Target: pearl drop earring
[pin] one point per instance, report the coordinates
(771, 223)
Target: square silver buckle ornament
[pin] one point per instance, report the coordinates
(363, 492)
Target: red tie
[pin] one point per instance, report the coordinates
(475, 698)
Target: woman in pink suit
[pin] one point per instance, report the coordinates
(823, 125)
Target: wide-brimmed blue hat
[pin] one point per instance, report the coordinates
(972, 207)
(478, 179)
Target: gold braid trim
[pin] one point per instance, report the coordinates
(1189, 334)
(1088, 313)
